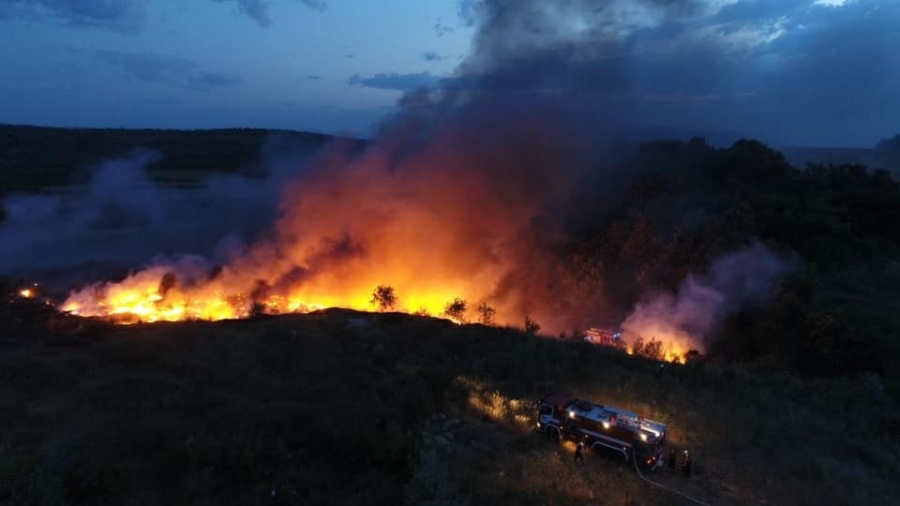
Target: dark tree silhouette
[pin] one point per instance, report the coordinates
(384, 297)
(456, 310)
(531, 326)
(486, 314)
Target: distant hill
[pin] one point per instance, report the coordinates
(800, 156)
(33, 158)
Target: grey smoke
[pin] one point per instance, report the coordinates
(122, 219)
(757, 68)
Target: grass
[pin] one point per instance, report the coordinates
(347, 408)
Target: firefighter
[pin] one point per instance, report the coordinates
(685, 464)
(579, 454)
(672, 459)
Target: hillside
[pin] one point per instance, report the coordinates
(36, 158)
(794, 400)
(353, 408)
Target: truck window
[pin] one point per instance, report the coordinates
(546, 410)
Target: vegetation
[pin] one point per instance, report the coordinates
(456, 310)
(688, 203)
(486, 314)
(531, 326)
(795, 401)
(384, 297)
(350, 408)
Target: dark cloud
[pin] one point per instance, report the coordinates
(787, 71)
(394, 81)
(258, 10)
(431, 56)
(204, 80)
(120, 15)
(159, 69)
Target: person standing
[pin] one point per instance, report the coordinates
(579, 454)
(686, 464)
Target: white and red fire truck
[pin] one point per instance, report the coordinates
(603, 337)
(604, 429)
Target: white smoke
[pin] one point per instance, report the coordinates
(688, 319)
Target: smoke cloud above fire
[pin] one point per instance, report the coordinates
(465, 193)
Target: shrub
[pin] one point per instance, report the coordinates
(384, 297)
(486, 314)
(456, 310)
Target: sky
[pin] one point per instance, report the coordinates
(799, 72)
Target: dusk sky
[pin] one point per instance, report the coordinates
(811, 72)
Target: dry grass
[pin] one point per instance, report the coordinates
(336, 409)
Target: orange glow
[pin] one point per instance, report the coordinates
(456, 218)
(473, 213)
(26, 293)
(657, 340)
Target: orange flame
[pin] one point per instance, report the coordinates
(454, 219)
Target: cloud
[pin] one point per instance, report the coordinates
(394, 81)
(319, 5)
(761, 67)
(466, 16)
(466, 10)
(205, 80)
(118, 16)
(431, 56)
(172, 70)
(258, 10)
(441, 28)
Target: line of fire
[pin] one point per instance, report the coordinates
(142, 299)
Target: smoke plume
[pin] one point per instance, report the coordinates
(121, 218)
(688, 319)
(464, 194)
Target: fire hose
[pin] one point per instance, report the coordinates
(648, 480)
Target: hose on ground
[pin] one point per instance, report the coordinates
(672, 490)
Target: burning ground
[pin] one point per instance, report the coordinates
(484, 218)
(456, 217)
(512, 187)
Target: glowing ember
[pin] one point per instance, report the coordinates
(27, 293)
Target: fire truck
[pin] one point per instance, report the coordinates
(603, 429)
(603, 337)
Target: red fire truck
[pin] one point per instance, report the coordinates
(603, 429)
(603, 337)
